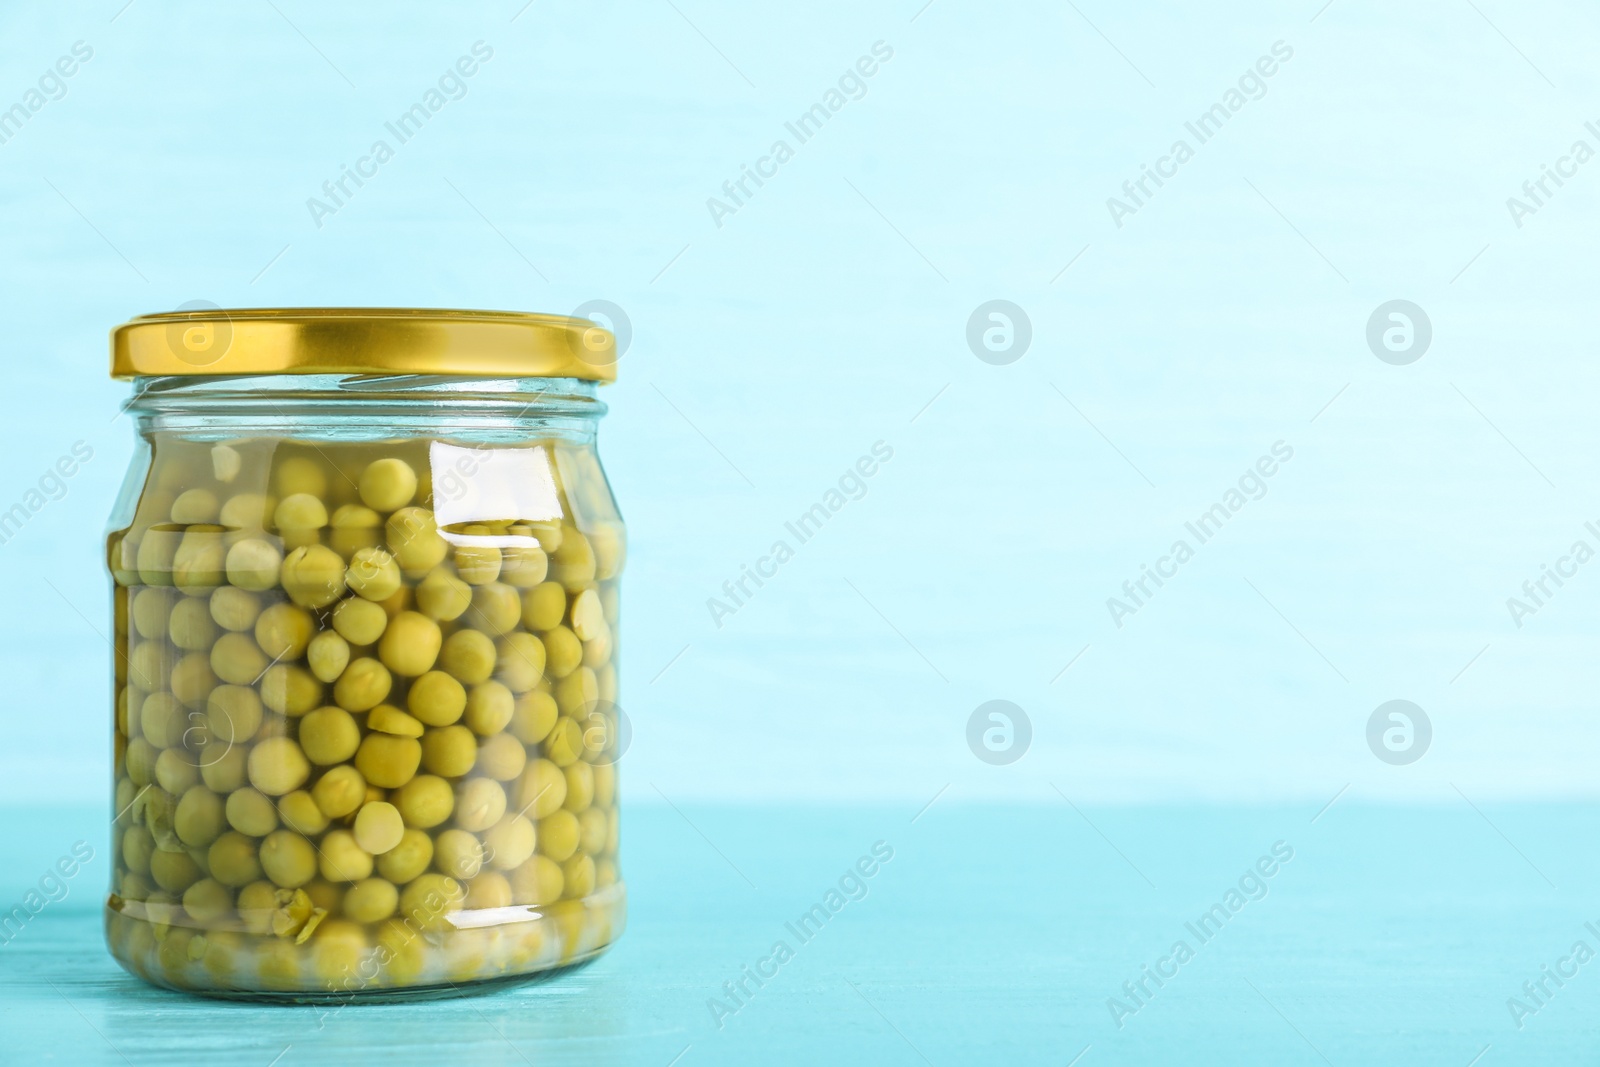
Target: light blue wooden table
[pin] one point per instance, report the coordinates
(994, 935)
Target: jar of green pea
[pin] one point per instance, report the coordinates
(365, 594)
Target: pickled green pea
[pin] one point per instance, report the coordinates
(299, 474)
(544, 606)
(176, 772)
(148, 666)
(411, 644)
(232, 859)
(360, 622)
(577, 692)
(386, 761)
(490, 889)
(290, 691)
(277, 766)
(288, 859)
(191, 626)
(563, 652)
(371, 900)
(541, 790)
(300, 813)
(354, 528)
(468, 655)
(251, 813)
(578, 876)
(523, 565)
(449, 751)
(173, 871)
(156, 551)
(199, 565)
(327, 655)
(458, 854)
(161, 720)
(362, 686)
(496, 608)
(480, 802)
(137, 847)
(388, 484)
(140, 761)
(373, 574)
(408, 859)
(234, 609)
(388, 719)
(597, 653)
(489, 708)
(548, 534)
(254, 565)
(283, 631)
(605, 784)
(413, 537)
(534, 716)
(501, 757)
(610, 544)
(329, 735)
(509, 842)
(580, 786)
(150, 611)
(564, 746)
(588, 617)
(237, 659)
(300, 511)
(437, 699)
(573, 564)
(429, 899)
(340, 791)
(192, 680)
(519, 661)
(313, 576)
(538, 881)
(477, 563)
(592, 829)
(247, 511)
(222, 765)
(442, 596)
(379, 827)
(342, 859)
(558, 835)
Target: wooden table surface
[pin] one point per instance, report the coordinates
(993, 935)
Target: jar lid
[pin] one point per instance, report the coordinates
(202, 339)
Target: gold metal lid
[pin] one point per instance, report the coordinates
(203, 339)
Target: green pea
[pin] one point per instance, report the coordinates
(437, 699)
(329, 735)
(360, 622)
(544, 606)
(253, 564)
(468, 655)
(288, 859)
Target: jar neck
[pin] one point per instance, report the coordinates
(375, 407)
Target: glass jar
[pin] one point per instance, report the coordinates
(365, 569)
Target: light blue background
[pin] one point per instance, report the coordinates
(829, 313)
(806, 328)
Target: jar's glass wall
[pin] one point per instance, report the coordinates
(366, 719)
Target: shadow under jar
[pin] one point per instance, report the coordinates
(365, 587)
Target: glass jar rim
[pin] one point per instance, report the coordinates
(205, 340)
